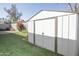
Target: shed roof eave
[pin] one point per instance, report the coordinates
(49, 11)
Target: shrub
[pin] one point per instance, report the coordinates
(20, 25)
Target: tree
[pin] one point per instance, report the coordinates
(13, 13)
(74, 7)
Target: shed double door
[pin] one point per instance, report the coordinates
(45, 33)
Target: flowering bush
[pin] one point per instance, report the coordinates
(20, 25)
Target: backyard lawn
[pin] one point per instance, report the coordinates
(16, 44)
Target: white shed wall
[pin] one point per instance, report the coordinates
(67, 42)
(31, 32)
(67, 26)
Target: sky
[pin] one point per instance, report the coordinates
(30, 9)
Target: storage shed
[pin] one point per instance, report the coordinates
(55, 31)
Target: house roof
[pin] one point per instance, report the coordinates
(48, 13)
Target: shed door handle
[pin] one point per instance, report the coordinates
(42, 33)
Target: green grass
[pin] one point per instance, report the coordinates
(17, 45)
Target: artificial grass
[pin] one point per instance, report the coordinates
(16, 44)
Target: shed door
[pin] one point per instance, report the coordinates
(45, 33)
